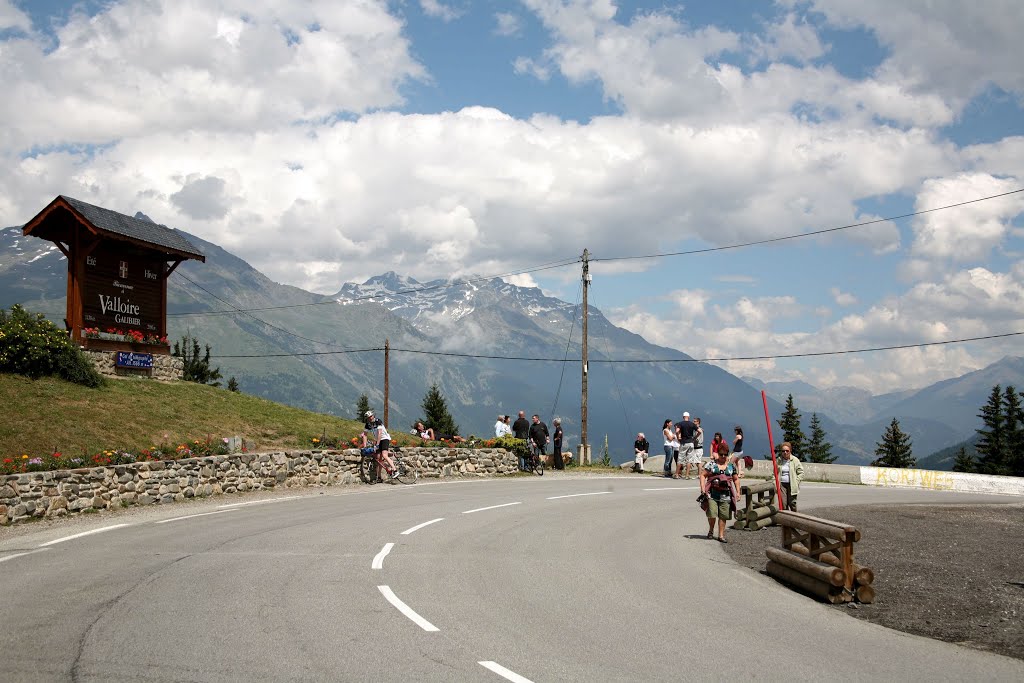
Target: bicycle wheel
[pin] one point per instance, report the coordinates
(368, 470)
(404, 473)
(538, 466)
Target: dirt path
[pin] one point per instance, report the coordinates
(951, 572)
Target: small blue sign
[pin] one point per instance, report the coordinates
(134, 360)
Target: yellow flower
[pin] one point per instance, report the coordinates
(24, 457)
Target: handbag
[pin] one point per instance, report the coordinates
(703, 500)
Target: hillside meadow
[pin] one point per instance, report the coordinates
(44, 415)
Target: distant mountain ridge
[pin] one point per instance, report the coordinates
(479, 317)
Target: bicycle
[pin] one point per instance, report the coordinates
(372, 462)
(534, 463)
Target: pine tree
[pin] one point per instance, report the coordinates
(362, 405)
(196, 368)
(791, 432)
(991, 446)
(233, 384)
(437, 416)
(894, 450)
(964, 462)
(818, 449)
(1013, 426)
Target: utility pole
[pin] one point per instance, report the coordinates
(585, 451)
(387, 362)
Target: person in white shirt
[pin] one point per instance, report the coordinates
(376, 433)
(501, 427)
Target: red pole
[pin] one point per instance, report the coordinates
(771, 445)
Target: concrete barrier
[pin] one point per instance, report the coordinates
(941, 481)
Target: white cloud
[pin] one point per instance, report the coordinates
(841, 298)
(790, 38)
(13, 18)
(508, 24)
(439, 10)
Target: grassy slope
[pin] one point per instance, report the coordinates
(39, 416)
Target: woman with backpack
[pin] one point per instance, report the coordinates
(718, 481)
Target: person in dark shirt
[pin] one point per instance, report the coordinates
(557, 444)
(521, 430)
(641, 449)
(539, 435)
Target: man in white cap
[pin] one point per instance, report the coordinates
(684, 433)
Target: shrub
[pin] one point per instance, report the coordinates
(33, 346)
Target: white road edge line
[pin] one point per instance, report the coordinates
(84, 533)
(420, 526)
(577, 495)
(30, 552)
(258, 502)
(504, 673)
(390, 596)
(378, 561)
(200, 514)
(492, 507)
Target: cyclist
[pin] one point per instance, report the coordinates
(376, 433)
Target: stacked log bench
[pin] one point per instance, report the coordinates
(760, 509)
(817, 557)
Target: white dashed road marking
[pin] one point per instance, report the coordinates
(504, 673)
(577, 495)
(84, 533)
(378, 561)
(259, 502)
(390, 596)
(201, 514)
(420, 526)
(492, 507)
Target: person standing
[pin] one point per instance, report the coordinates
(641, 449)
(671, 445)
(697, 454)
(684, 433)
(539, 435)
(556, 444)
(737, 450)
(501, 427)
(521, 429)
(790, 471)
(718, 481)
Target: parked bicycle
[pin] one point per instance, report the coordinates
(372, 465)
(534, 463)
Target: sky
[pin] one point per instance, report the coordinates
(326, 141)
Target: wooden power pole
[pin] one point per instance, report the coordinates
(583, 460)
(387, 362)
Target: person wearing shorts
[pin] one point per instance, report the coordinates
(718, 481)
(697, 455)
(684, 434)
(376, 433)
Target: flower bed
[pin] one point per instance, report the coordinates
(113, 456)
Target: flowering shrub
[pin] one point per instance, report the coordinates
(33, 346)
(112, 456)
(324, 442)
(116, 334)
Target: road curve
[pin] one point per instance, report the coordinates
(525, 579)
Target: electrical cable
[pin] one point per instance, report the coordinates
(806, 234)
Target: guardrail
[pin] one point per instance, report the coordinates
(817, 557)
(760, 509)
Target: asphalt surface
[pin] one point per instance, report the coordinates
(589, 578)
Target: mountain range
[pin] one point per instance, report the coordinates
(460, 334)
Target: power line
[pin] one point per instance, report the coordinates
(642, 360)
(568, 343)
(368, 297)
(807, 234)
(260, 320)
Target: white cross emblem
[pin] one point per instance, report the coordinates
(124, 269)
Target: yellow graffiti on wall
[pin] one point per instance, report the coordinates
(926, 479)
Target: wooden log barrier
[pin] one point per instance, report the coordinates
(759, 524)
(813, 586)
(862, 575)
(817, 570)
(759, 512)
(819, 527)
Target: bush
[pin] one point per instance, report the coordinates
(31, 345)
(511, 444)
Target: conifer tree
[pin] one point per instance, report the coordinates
(196, 368)
(1013, 416)
(818, 449)
(894, 450)
(437, 416)
(362, 405)
(964, 462)
(791, 432)
(991, 447)
(233, 384)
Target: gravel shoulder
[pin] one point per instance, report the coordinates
(950, 572)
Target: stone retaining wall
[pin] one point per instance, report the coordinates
(165, 368)
(54, 494)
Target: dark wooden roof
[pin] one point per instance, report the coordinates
(49, 224)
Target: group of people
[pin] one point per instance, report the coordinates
(684, 447)
(536, 433)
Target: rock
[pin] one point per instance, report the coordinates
(146, 499)
(7, 491)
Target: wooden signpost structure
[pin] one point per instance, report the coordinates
(117, 273)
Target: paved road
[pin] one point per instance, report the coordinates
(597, 579)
